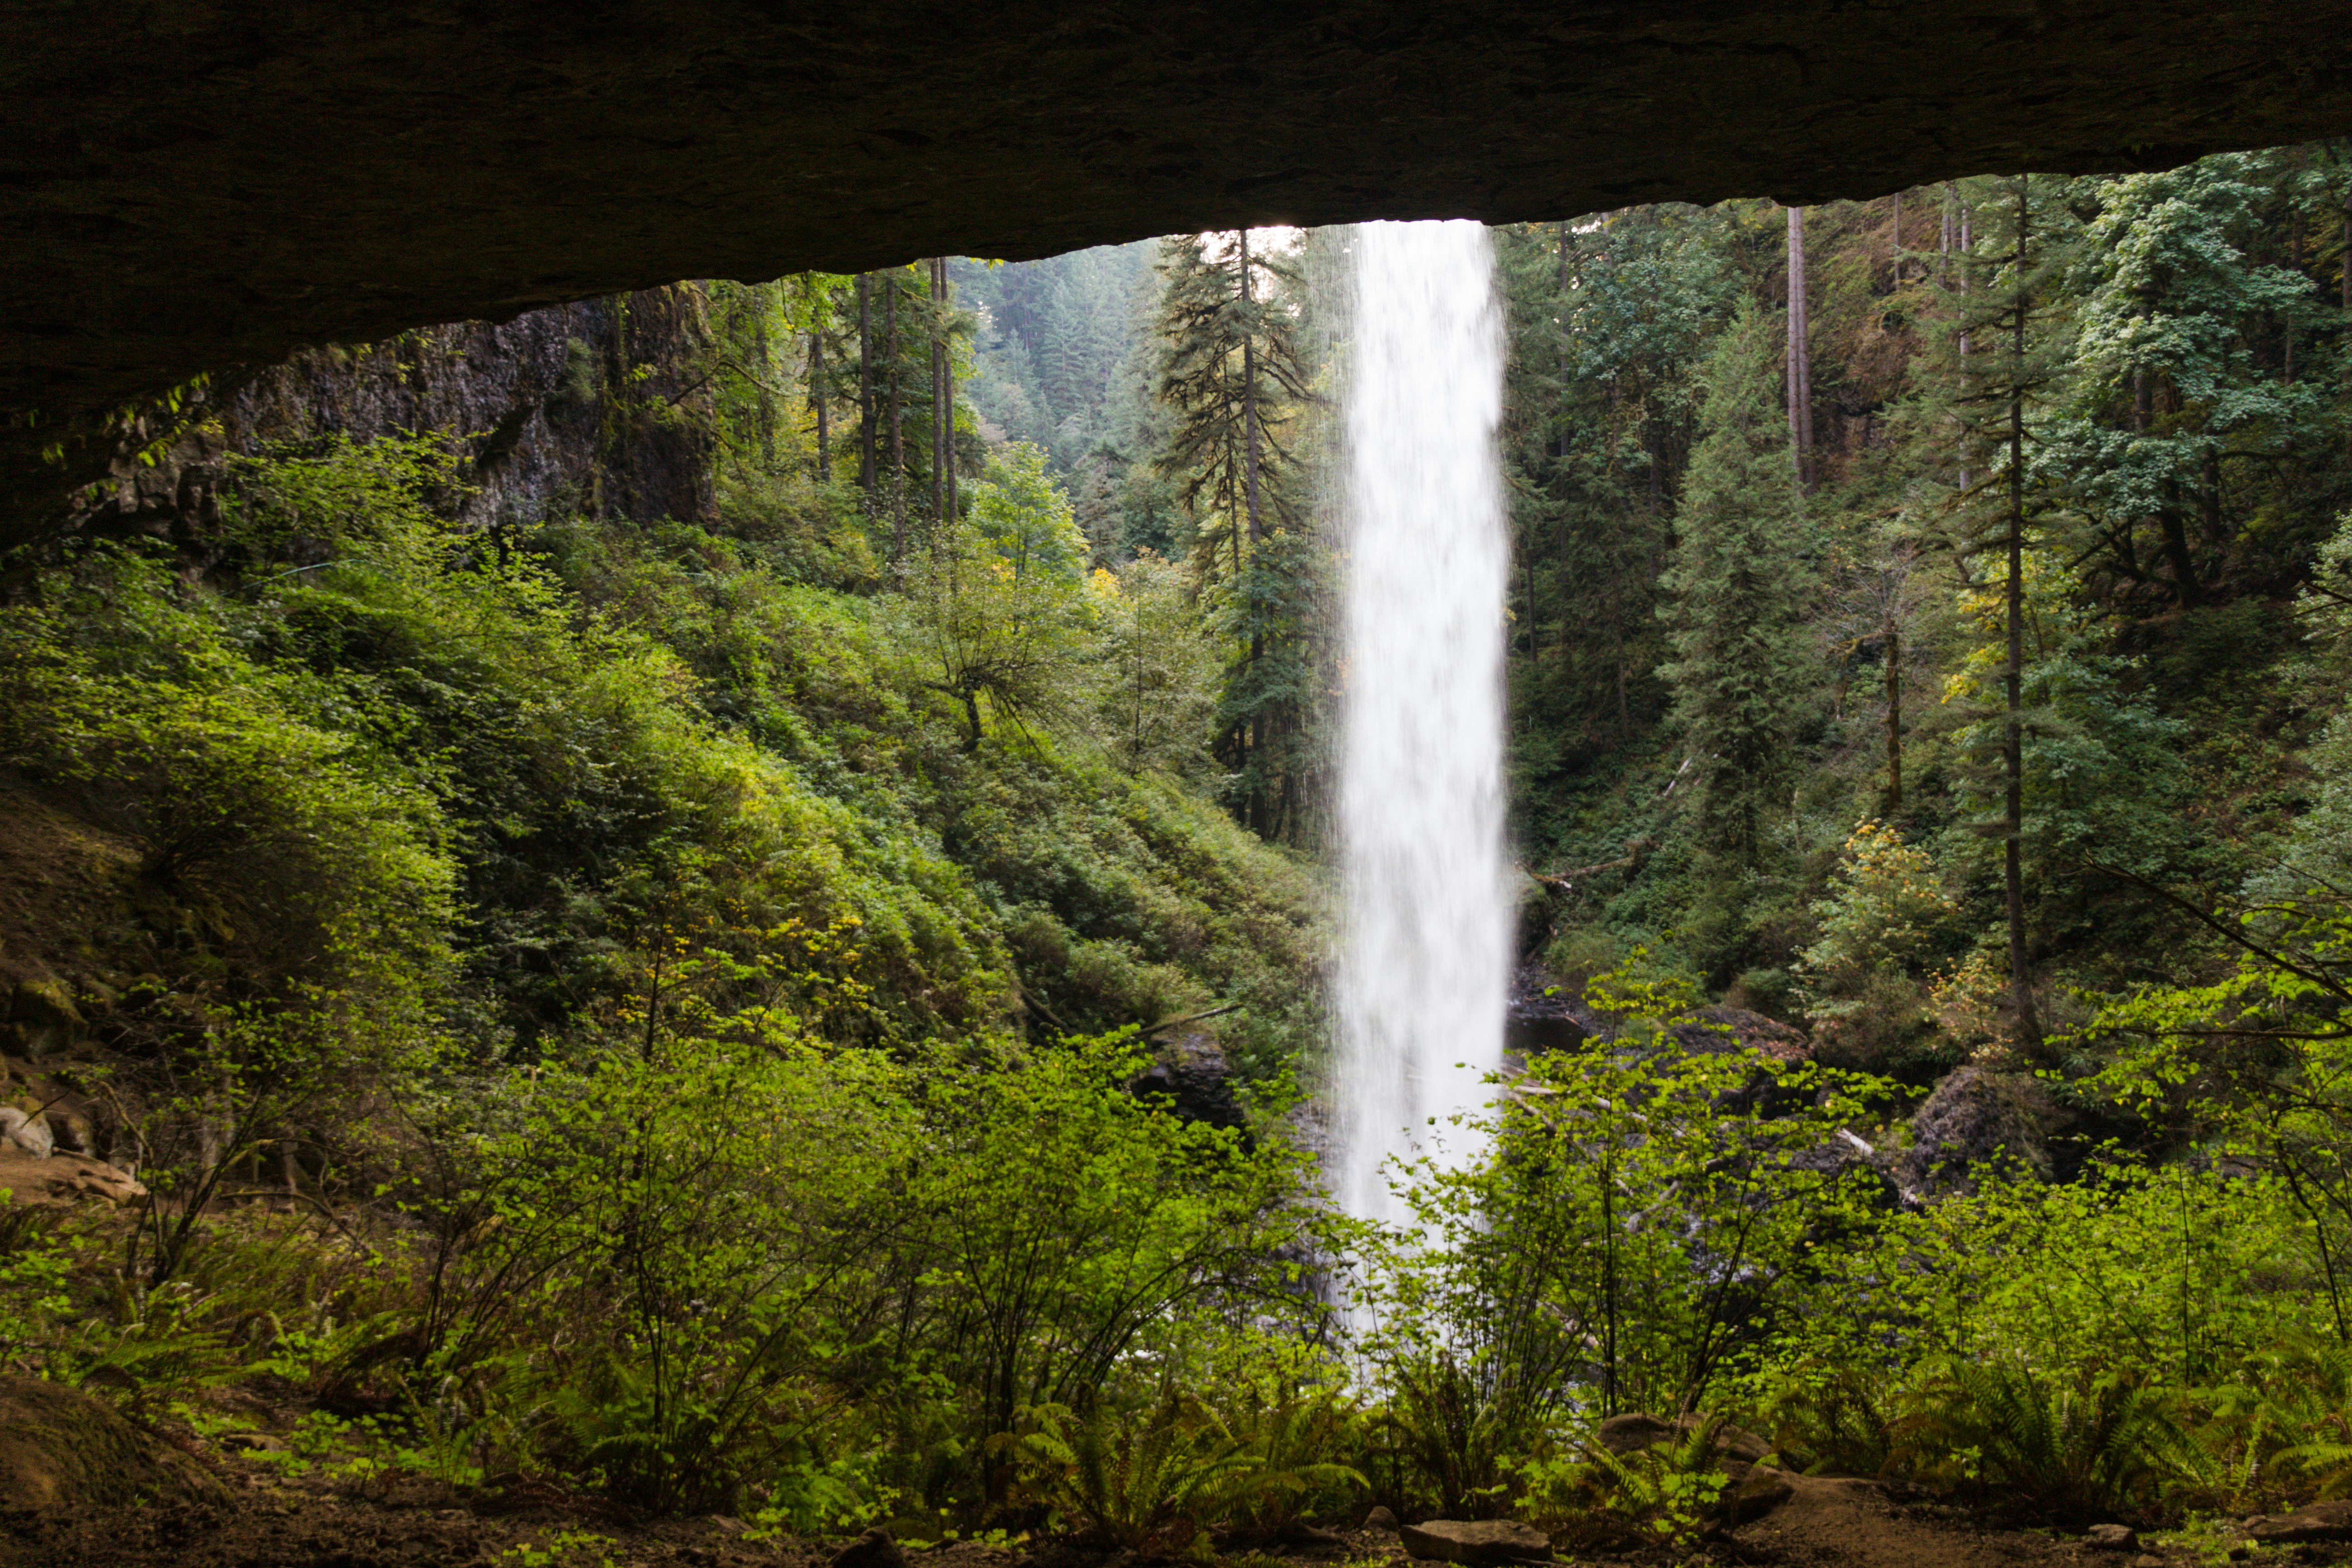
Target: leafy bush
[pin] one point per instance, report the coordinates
(1886, 916)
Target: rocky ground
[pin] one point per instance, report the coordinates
(253, 1515)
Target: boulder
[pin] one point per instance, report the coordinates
(61, 1448)
(2111, 1538)
(1632, 1433)
(29, 1134)
(875, 1549)
(1482, 1543)
(1718, 1029)
(1750, 1491)
(1380, 1518)
(1973, 1119)
(63, 1179)
(2314, 1521)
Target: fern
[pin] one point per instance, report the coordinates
(1156, 1485)
(1283, 1442)
(2071, 1453)
(1666, 1495)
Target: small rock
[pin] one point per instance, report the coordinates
(725, 1524)
(1477, 1543)
(1630, 1433)
(1380, 1518)
(2319, 1521)
(875, 1549)
(30, 1133)
(1752, 1494)
(2112, 1537)
(252, 1443)
(2149, 1560)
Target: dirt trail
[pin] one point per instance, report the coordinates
(1840, 1523)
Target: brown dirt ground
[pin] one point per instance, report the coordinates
(273, 1522)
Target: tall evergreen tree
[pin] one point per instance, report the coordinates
(1736, 590)
(2006, 355)
(1229, 366)
(1232, 379)
(1611, 324)
(2191, 392)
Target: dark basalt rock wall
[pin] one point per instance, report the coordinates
(594, 408)
(185, 187)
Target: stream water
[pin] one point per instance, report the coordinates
(1424, 966)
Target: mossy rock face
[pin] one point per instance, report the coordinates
(63, 1450)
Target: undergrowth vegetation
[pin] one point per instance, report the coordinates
(668, 1010)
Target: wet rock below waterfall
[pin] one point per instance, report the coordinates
(1198, 1082)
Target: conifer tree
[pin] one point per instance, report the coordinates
(1232, 379)
(2006, 352)
(1229, 366)
(1736, 588)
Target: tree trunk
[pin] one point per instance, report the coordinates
(1968, 247)
(934, 275)
(1259, 806)
(1801, 365)
(817, 403)
(767, 399)
(866, 392)
(2029, 1030)
(898, 419)
(1249, 405)
(2177, 554)
(2209, 498)
(1892, 650)
(1944, 255)
(946, 384)
(2287, 328)
(1567, 378)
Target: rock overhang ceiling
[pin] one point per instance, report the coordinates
(189, 187)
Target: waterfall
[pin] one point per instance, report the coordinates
(1425, 969)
